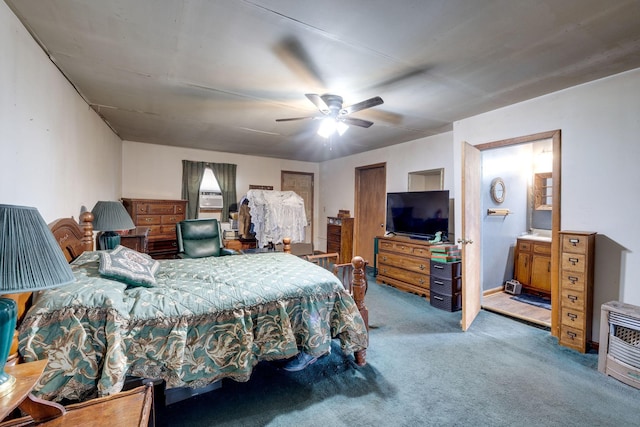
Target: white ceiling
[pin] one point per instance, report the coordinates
(216, 74)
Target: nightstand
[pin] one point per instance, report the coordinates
(136, 239)
(129, 408)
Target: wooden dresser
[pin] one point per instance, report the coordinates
(160, 216)
(533, 265)
(340, 237)
(577, 251)
(405, 264)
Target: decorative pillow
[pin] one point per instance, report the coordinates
(129, 266)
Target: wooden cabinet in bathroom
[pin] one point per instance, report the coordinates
(533, 265)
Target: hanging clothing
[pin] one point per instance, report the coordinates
(276, 215)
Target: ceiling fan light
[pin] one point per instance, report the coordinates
(327, 128)
(341, 127)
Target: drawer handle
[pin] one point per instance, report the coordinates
(436, 282)
(173, 218)
(572, 279)
(437, 297)
(384, 258)
(421, 281)
(573, 261)
(148, 219)
(571, 335)
(422, 267)
(572, 316)
(438, 267)
(573, 298)
(574, 241)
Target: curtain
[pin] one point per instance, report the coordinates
(225, 174)
(192, 173)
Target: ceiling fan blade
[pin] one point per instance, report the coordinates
(295, 56)
(294, 118)
(371, 102)
(318, 102)
(356, 122)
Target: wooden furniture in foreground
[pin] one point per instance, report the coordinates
(577, 249)
(533, 265)
(404, 263)
(136, 239)
(161, 216)
(130, 408)
(619, 350)
(340, 237)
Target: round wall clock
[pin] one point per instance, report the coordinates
(498, 190)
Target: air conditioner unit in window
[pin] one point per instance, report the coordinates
(210, 200)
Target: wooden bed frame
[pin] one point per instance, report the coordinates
(75, 238)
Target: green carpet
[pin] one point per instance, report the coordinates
(423, 370)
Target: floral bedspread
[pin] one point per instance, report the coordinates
(206, 319)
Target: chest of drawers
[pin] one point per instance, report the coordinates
(340, 237)
(446, 285)
(160, 216)
(404, 263)
(576, 288)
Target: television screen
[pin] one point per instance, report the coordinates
(418, 213)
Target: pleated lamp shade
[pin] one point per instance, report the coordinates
(111, 216)
(30, 260)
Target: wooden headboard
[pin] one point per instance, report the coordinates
(74, 239)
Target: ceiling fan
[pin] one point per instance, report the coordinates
(331, 108)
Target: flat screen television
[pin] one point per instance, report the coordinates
(419, 214)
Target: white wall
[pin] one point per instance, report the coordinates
(600, 124)
(56, 153)
(337, 177)
(155, 171)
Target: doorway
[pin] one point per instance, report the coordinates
(302, 184)
(495, 299)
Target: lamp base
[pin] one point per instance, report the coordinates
(8, 316)
(109, 240)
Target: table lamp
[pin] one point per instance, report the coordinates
(30, 260)
(109, 217)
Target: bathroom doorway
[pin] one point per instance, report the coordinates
(517, 206)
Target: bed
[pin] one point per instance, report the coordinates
(201, 321)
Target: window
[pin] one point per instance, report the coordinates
(210, 194)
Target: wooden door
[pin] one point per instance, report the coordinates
(523, 267)
(470, 240)
(541, 273)
(302, 184)
(370, 208)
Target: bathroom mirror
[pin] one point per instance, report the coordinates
(542, 196)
